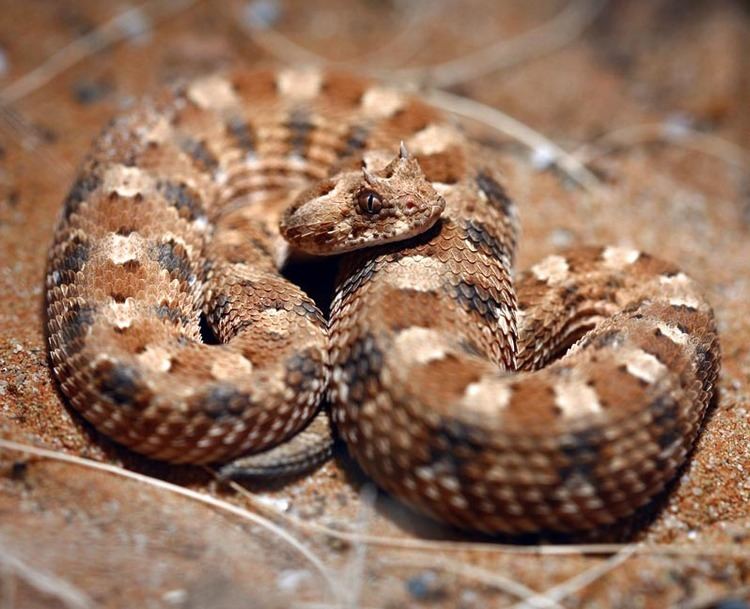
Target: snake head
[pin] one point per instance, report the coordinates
(363, 208)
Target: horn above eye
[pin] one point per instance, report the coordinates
(369, 201)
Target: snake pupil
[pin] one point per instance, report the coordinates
(370, 202)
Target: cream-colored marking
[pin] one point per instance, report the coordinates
(686, 301)
(678, 279)
(433, 139)
(425, 472)
(299, 84)
(155, 358)
(673, 333)
(619, 257)
(123, 249)
(213, 92)
(420, 344)
(644, 366)
(449, 483)
(126, 181)
(459, 502)
(158, 133)
(575, 398)
(552, 269)
(417, 272)
(486, 397)
(121, 314)
(228, 366)
(381, 102)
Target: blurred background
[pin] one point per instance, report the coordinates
(627, 122)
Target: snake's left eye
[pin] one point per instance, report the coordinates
(369, 201)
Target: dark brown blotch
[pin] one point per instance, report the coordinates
(457, 442)
(495, 193)
(224, 401)
(121, 384)
(75, 324)
(242, 133)
(300, 126)
(202, 157)
(476, 299)
(74, 255)
(305, 370)
(172, 257)
(480, 236)
(582, 450)
(84, 185)
(361, 370)
(171, 314)
(356, 140)
(665, 413)
(186, 200)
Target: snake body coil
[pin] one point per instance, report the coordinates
(563, 398)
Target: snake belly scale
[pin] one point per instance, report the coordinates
(562, 398)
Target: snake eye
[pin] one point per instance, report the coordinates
(369, 201)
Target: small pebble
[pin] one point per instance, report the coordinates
(543, 157)
(731, 603)
(561, 237)
(425, 586)
(261, 14)
(175, 597)
(88, 92)
(677, 126)
(136, 25)
(289, 580)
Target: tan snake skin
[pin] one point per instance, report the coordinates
(560, 399)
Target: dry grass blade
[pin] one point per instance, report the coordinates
(562, 591)
(47, 584)
(492, 117)
(406, 40)
(674, 135)
(483, 576)
(559, 31)
(123, 26)
(355, 572)
(399, 543)
(224, 506)
(18, 128)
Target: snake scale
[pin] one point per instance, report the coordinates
(559, 399)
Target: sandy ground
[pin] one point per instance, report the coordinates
(650, 96)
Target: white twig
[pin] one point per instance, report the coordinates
(115, 30)
(488, 578)
(287, 50)
(356, 569)
(680, 136)
(561, 591)
(46, 583)
(492, 117)
(399, 543)
(559, 31)
(178, 490)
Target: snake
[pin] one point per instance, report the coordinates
(560, 398)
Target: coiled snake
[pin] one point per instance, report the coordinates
(563, 398)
